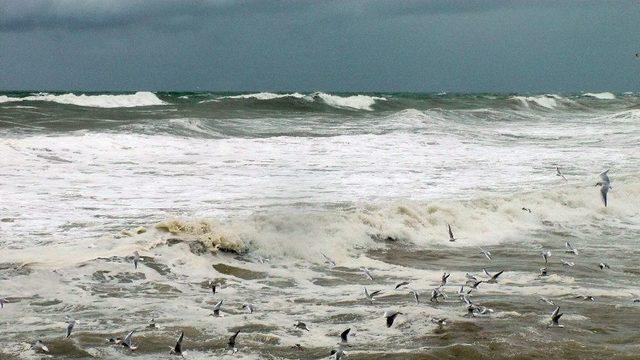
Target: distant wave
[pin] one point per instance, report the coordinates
(546, 101)
(140, 98)
(357, 102)
(601, 96)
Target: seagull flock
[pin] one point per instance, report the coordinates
(472, 283)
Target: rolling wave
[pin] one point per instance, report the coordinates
(482, 221)
(140, 98)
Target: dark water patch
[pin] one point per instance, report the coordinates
(241, 273)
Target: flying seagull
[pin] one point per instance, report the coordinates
(435, 294)
(370, 296)
(177, 350)
(474, 284)
(338, 353)
(544, 299)
(216, 309)
(152, 324)
(136, 259)
(526, 209)
(415, 295)
(543, 272)
(445, 277)
(328, 260)
(555, 317)
(451, 237)
(232, 343)
(559, 173)
(248, 308)
(391, 317)
(605, 185)
(604, 266)
(40, 346)
(570, 248)
(585, 297)
(127, 342)
(567, 263)
(344, 336)
(486, 253)
(70, 324)
(366, 273)
(2, 302)
(546, 255)
(439, 321)
(404, 283)
(213, 287)
(493, 278)
(300, 325)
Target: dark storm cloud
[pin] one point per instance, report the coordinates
(350, 45)
(25, 15)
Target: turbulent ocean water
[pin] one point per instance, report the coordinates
(249, 190)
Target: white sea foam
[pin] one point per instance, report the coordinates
(601, 96)
(265, 96)
(359, 102)
(140, 98)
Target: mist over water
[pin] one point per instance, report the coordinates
(206, 186)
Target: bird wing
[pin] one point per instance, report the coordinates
(218, 305)
(232, 339)
(178, 347)
(604, 176)
(450, 232)
(127, 339)
(495, 276)
(390, 319)
(344, 335)
(375, 293)
(603, 192)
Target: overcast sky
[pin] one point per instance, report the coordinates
(345, 45)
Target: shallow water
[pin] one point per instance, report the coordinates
(249, 191)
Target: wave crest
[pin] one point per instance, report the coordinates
(140, 98)
(601, 96)
(353, 102)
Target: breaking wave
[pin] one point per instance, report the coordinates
(600, 96)
(483, 221)
(140, 98)
(354, 102)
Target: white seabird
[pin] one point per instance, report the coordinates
(370, 296)
(127, 342)
(300, 325)
(216, 309)
(605, 186)
(567, 263)
(559, 173)
(136, 259)
(177, 349)
(231, 345)
(444, 278)
(328, 260)
(416, 296)
(70, 325)
(366, 273)
(248, 307)
(555, 317)
(391, 317)
(492, 278)
(486, 253)
(451, 237)
(570, 249)
(39, 346)
(546, 255)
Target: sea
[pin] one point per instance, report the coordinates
(282, 199)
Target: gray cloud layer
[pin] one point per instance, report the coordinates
(461, 45)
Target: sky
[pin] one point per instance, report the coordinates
(345, 45)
